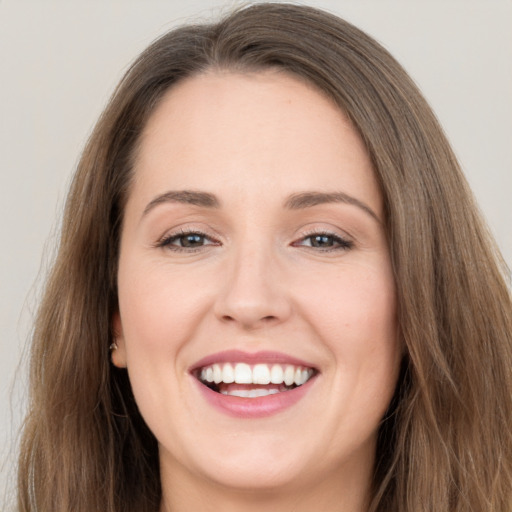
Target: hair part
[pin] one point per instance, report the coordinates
(446, 441)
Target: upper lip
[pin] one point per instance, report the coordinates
(239, 356)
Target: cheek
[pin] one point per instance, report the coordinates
(351, 312)
(353, 307)
(354, 315)
(159, 308)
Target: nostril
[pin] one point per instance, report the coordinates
(268, 318)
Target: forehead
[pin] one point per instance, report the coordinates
(252, 129)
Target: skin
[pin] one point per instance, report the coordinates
(257, 282)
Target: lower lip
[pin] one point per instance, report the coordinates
(257, 407)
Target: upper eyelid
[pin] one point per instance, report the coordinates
(178, 234)
(344, 242)
(217, 238)
(326, 231)
(182, 230)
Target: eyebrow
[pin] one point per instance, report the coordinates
(204, 199)
(297, 201)
(309, 199)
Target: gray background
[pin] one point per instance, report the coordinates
(60, 60)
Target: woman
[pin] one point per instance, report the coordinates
(272, 239)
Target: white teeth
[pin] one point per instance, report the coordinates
(260, 373)
(217, 374)
(228, 374)
(276, 374)
(243, 373)
(289, 375)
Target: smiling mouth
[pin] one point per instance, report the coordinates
(252, 381)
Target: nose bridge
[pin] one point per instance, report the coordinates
(253, 294)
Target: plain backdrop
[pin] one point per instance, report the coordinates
(60, 60)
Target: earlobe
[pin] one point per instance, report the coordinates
(117, 347)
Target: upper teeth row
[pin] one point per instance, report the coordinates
(242, 373)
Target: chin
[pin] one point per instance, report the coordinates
(257, 476)
(249, 462)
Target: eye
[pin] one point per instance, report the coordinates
(324, 242)
(186, 240)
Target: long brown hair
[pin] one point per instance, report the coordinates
(445, 444)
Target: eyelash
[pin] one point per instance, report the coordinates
(167, 241)
(342, 244)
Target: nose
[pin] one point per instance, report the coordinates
(253, 293)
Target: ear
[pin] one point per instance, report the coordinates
(118, 354)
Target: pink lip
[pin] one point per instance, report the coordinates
(258, 407)
(254, 407)
(237, 356)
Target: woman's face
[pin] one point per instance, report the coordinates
(253, 249)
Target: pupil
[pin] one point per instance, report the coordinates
(192, 240)
(322, 241)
